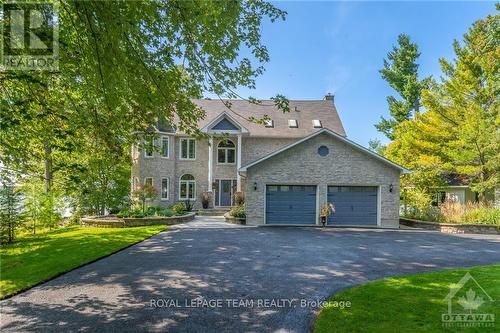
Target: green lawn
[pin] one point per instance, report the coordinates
(33, 259)
(411, 303)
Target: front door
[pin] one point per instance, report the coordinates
(225, 189)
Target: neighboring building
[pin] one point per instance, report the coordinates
(457, 189)
(287, 168)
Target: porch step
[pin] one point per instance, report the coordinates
(213, 212)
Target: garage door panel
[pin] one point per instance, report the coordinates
(354, 205)
(290, 204)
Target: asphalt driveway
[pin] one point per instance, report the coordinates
(208, 276)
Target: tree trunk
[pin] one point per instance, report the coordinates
(48, 167)
(417, 109)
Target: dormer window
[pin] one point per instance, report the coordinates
(269, 123)
(292, 123)
(317, 123)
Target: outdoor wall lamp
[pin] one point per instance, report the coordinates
(390, 188)
(255, 186)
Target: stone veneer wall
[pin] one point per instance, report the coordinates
(107, 222)
(344, 165)
(173, 168)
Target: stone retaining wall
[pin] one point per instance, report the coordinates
(234, 220)
(117, 222)
(452, 228)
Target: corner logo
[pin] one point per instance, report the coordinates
(30, 35)
(464, 302)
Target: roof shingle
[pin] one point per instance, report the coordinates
(304, 111)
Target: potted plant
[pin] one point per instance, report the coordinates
(205, 199)
(327, 209)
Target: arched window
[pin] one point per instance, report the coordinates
(187, 187)
(226, 152)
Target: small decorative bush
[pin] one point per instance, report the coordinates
(150, 211)
(188, 205)
(239, 198)
(179, 209)
(238, 212)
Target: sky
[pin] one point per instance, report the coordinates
(339, 47)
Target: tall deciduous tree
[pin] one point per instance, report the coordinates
(401, 72)
(459, 131)
(123, 65)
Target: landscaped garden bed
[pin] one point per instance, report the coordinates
(452, 228)
(237, 215)
(124, 222)
(152, 215)
(454, 217)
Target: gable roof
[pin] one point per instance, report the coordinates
(335, 135)
(227, 121)
(303, 111)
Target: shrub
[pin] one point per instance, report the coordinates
(238, 211)
(165, 212)
(239, 198)
(179, 209)
(482, 215)
(188, 205)
(455, 212)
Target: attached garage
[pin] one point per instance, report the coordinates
(363, 186)
(354, 205)
(291, 204)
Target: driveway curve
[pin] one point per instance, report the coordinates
(208, 276)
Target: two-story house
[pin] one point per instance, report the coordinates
(287, 168)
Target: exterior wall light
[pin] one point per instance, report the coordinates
(390, 188)
(255, 186)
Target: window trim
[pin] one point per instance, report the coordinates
(226, 149)
(188, 151)
(162, 138)
(168, 189)
(193, 182)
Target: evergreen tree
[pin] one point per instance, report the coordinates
(401, 72)
(459, 131)
(11, 210)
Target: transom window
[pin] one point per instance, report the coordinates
(226, 152)
(188, 149)
(187, 187)
(164, 188)
(164, 147)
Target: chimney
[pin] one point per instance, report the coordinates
(329, 97)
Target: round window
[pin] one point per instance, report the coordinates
(323, 150)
